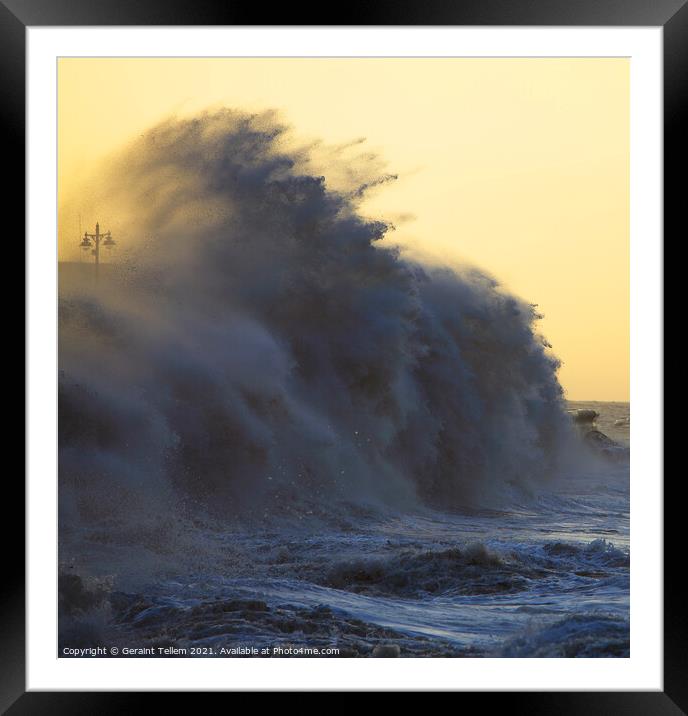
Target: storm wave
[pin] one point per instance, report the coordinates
(264, 343)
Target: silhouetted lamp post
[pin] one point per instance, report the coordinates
(85, 244)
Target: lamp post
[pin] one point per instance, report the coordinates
(107, 239)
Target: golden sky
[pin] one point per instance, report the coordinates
(520, 166)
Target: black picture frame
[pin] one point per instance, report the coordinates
(17, 15)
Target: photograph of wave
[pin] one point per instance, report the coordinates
(281, 434)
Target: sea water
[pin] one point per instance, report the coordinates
(547, 577)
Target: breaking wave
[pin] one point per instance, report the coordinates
(578, 636)
(475, 569)
(264, 344)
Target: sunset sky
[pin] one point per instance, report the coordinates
(519, 166)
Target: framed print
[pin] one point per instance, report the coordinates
(334, 335)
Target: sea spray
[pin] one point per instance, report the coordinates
(263, 347)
